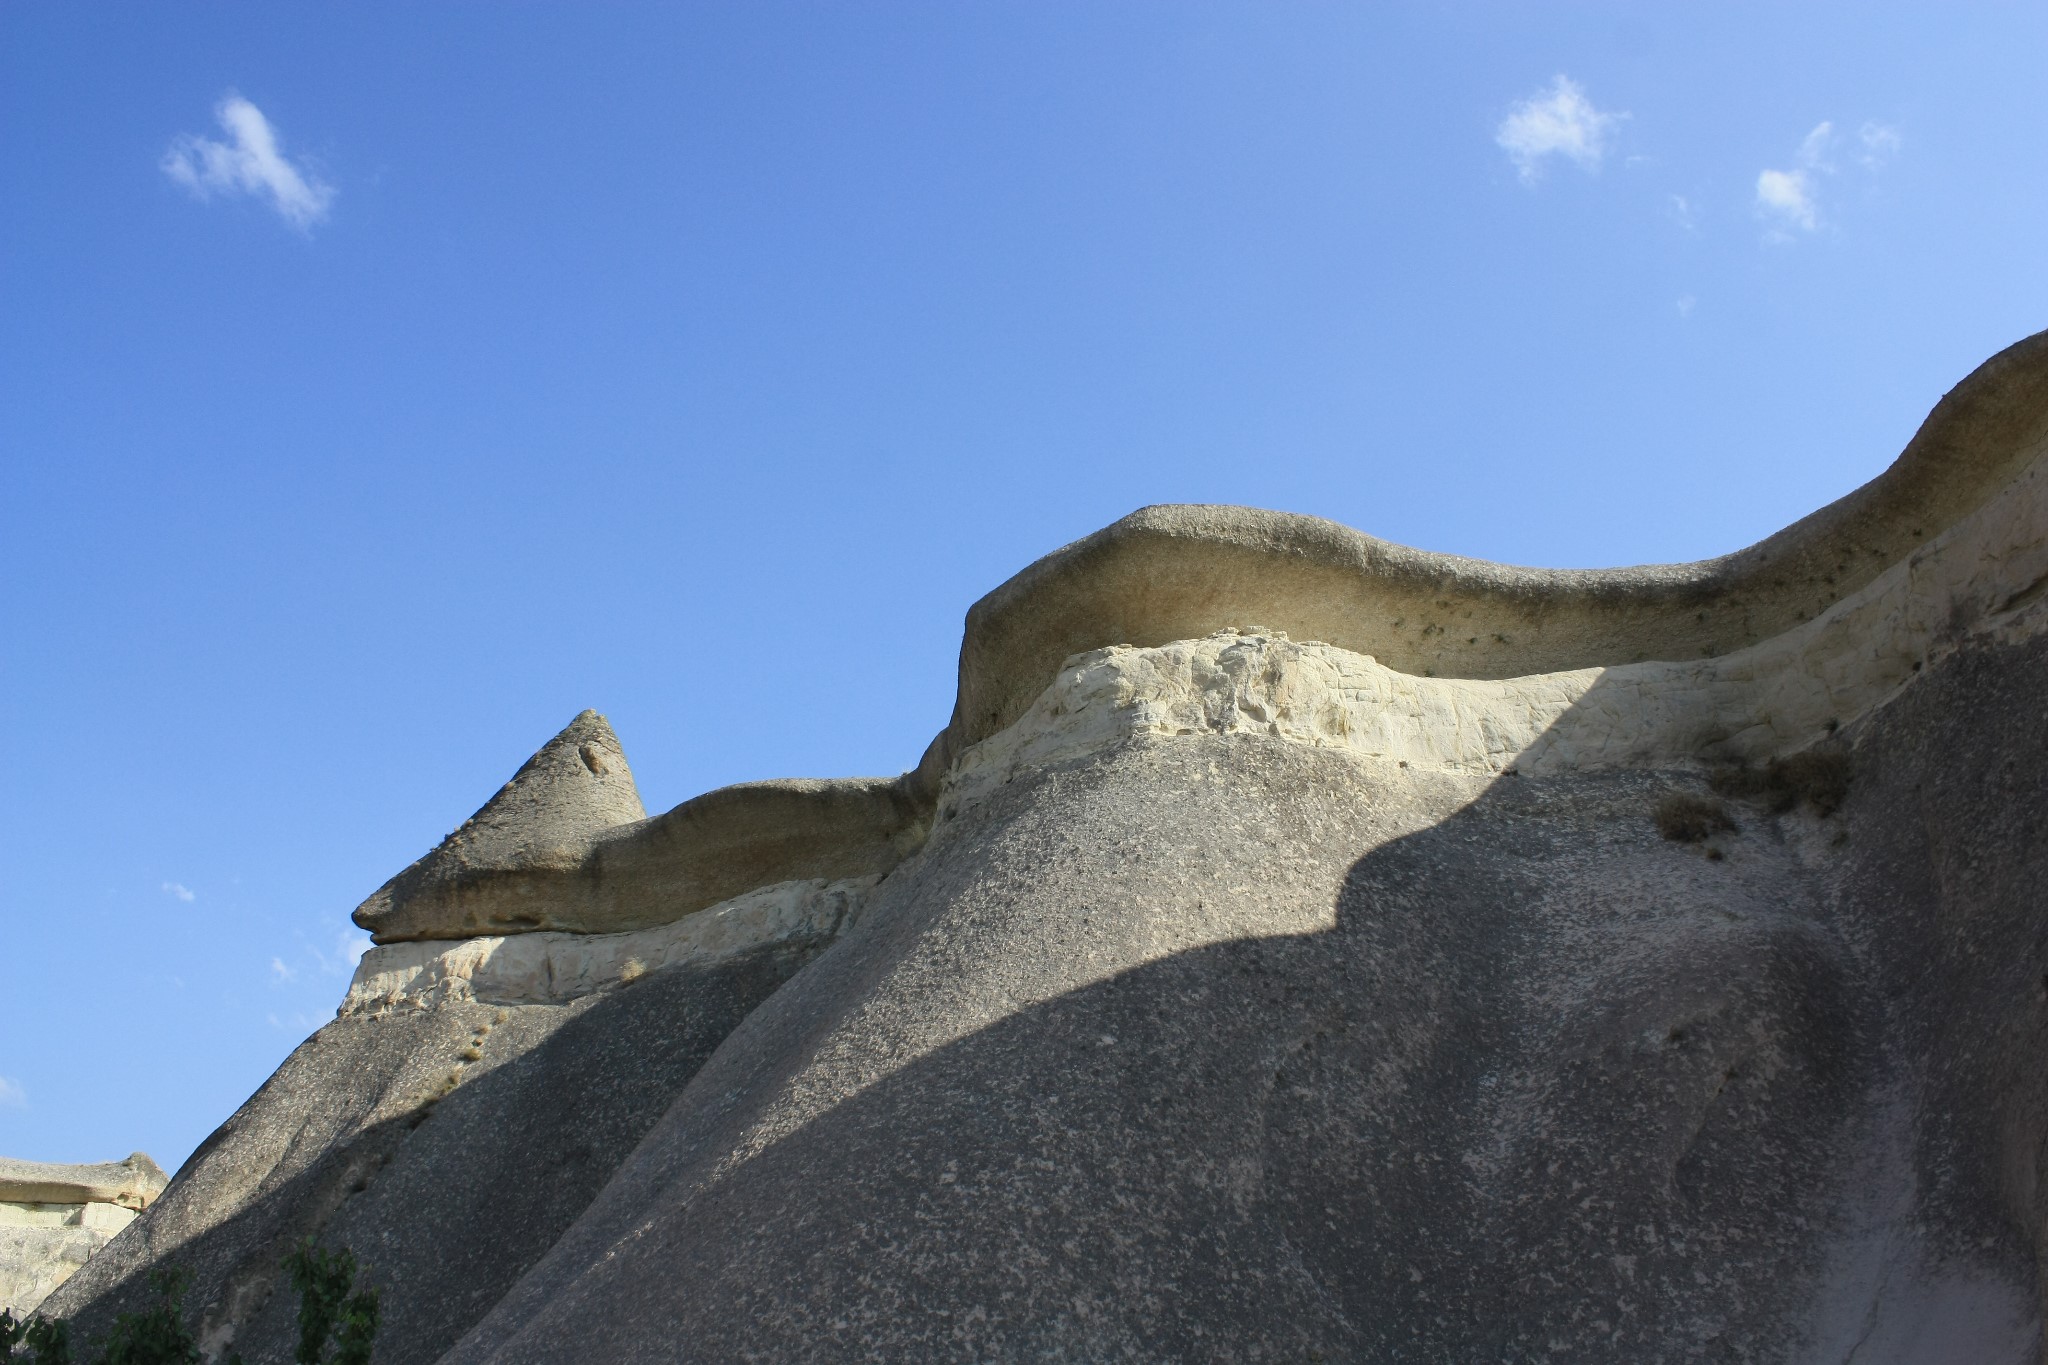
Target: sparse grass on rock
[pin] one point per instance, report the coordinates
(1817, 777)
(1689, 818)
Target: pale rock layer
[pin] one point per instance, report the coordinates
(1981, 577)
(54, 1217)
(555, 968)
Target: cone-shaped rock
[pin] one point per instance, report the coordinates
(541, 822)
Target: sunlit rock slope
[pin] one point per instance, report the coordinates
(1295, 946)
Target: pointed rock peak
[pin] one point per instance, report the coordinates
(575, 788)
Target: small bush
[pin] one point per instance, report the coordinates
(331, 1308)
(158, 1335)
(1688, 818)
(1818, 777)
(45, 1341)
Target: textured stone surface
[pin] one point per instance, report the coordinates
(538, 827)
(1276, 958)
(53, 1218)
(1230, 1046)
(554, 969)
(1179, 573)
(132, 1183)
(1756, 653)
(651, 872)
(447, 1147)
(37, 1255)
(1982, 577)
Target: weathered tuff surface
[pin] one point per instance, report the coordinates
(54, 1218)
(448, 1147)
(1211, 993)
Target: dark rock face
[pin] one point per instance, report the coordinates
(1547, 1086)
(1540, 1084)
(1230, 1047)
(448, 1194)
(1945, 896)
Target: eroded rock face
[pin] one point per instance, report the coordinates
(1229, 1045)
(54, 1218)
(556, 969)
(1277, 956)
(537, 827)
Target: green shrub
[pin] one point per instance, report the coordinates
(331, 1310)
(157, 1335)
(42, 1340)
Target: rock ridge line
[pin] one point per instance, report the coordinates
(1465, 664)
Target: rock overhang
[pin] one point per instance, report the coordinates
(1740, 656)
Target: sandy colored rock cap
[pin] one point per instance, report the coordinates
(543, 820)
(565, 847)
(133, 1184)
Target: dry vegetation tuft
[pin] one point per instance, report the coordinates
(1688, 818)
(1818, 777)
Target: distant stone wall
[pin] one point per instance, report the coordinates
(53, 1218)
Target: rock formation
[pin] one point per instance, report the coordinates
(1294, 946)
(53, 1218)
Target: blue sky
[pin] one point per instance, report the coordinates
(381, 385)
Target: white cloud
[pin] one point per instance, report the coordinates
(181, 892)
(1790, 199)
(1787, 197)
(12, 1096)
(251, 163)
(279, 973)
(1558, 121)
(1686, 302)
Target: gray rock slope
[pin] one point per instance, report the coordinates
(1216, 994)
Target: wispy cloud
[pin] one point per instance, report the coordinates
(183, 893)
(1817, 146)
(1556, 121)
(349, 945)
(251, 162)
(1879, 144)
(12, 1096)
(279, 973)
(1789, 199)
